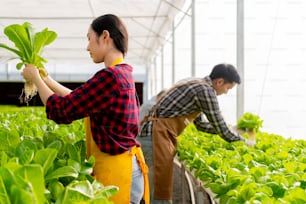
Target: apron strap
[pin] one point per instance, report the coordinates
(144, 169)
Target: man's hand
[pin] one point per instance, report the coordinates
(252, 143)
(235, 129)
(252, 138)
(251, 135)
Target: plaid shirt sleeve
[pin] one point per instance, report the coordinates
(93, 96)
(216, 123)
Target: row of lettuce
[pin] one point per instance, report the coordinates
(42, 162)
(271, 172)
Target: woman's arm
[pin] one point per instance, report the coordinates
(58, 88)
(45, 84)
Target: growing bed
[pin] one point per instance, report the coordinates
(209, 170)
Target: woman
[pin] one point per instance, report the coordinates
(109, 103)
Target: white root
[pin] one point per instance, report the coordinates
(30, 90)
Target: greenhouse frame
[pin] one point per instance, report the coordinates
(169, 41)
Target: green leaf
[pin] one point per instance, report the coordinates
(19, 65)
(295, 196)
(9, 138)
(56, 188)
(218, 188)
(66, 171)
(8, 178)
(258, 172)
(76, 165)
(28, 44)
(86, 168)
(25, 151)
(278, 190)
(267, 191)
(106, 191)
(17, 52)
(4, 158)
(81, 148)
(27, 156)
(82, 191)
(56, 144)
(18, 34)
(73, 153)
(4, 197)
(247, 158)
(247, 191)
(33, 175)
(21, 196)
(77, 192)
(45, 157)
(43, 38)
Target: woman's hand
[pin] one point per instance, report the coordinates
(30, 73)
(43, 72)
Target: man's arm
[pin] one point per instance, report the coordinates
(203, 125)
(210, 107)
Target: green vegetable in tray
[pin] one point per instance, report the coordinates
(28, 47)
(249, 122)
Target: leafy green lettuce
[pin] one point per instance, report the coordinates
(28, 44)
(249, 121)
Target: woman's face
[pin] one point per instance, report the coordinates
(96, 46)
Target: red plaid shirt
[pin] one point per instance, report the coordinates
(111, 101)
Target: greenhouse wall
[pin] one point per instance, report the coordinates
(274, 49)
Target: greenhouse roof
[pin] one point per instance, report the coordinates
(148, 23)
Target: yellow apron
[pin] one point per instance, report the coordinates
(116, 169)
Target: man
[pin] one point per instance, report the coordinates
(189, 100)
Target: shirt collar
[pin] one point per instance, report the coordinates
(208, 80)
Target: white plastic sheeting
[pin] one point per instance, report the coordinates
(148, 23)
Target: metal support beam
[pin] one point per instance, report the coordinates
(240, 57)
(193, 39)
(173, 53)
(149, 79)
(155, 75)
(162, 63)
(7, 70)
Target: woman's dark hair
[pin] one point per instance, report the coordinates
(225, 71)
(116, 29)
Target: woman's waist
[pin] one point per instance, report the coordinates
(114, 146)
